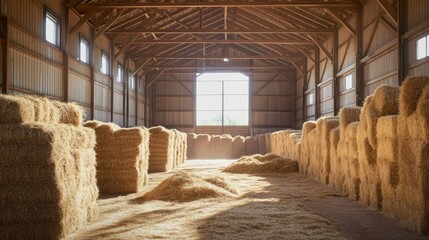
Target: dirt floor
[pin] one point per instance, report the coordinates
(269, 206)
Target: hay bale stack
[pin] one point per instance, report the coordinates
(268, 163)
(413, 161)
(179, 147)
(221, 147)
(238, 147)
(122, 157)
(335, 176)
(384, 101)
(305, 146)
(314, 154)
(252, 145)
(292, 144)
(347, 152)
(262, 140)
(190, 149)
(203, 149)
(268, 144)
(327, 126)
(47, 182)
(162, 151)
(275, 143)
(387, 162)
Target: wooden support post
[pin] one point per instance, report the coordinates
(360, 82)
(317, 81)
(5, 47)
(294, 98)
(335, 83)
(402, 71)
(251, 75)
(125, 92)
(65, 49)
(112, 82)
(304, 89)
(136, 92)
(146, 101)
(91, 64)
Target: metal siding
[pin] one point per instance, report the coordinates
(417, 12)
(79, 89)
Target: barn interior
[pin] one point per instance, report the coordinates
(202, 119)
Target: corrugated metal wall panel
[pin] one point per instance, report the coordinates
(103, 79)
(40, 76)
(79, 89)
(102, 115)
(102, 97)
(118, 101)
(417, 12)
(272, 103)
(118, 119)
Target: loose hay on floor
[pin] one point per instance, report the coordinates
(269, 163)
(186, 187)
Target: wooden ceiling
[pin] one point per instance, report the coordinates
(251, 34)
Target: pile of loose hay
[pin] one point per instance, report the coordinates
(122, 157)
(47, 182)
(268, 163)
(186, 187)
(167, 149)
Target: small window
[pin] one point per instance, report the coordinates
(423, 47)
(349, 82)
(132, 82)
(311, 99)
(120, 74)
(104, 63)
(84, 50)
(52, 28)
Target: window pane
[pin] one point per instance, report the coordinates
(120, 75)
(209, 87)
(236, 87)
(209, 102)
(210, 118)
(349, 82)
(427, 46)
(83, 51)
(104, 63)
(421, 48)
(236, 118)
(51, 29)
(236, 102)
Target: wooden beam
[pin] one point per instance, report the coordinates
(92, 68)
(317, 81)
(112, 82)
(221, 41)
(321, 47)
(304, 89)
(74, 3)
(335, 83)
(266, 84)
(83, 20)
(125, 92)
(402, 18)
(140, 67)
(130, 42)
(341, 21)
(302, 3)
(297, 67)
(154, 79)
(297, 57)
(228, 67)
(65, 49)
(360, 83)
(181, 84)
(389, 9)
(388, 26)
(223, 31)
(5, 46)
(109, 23)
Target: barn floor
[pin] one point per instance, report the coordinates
(270, 206)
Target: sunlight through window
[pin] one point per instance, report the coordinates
(222, 99)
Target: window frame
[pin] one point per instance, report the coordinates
(104, 54)
(83, 39)
(348, 77)
(131, 82)
(426, 50)
(48, 13)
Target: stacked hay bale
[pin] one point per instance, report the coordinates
(179, 147)
(252, 145)
(347, 153)
(314, 154)
(305, 146)
(190, 149)
(47, 182)
(268, 143)
(162, 152)
(326, 126)
(276, 146)
(413, 162)
(221, 147)
(384, 101)
(122, 157)
(238, 147)
(292, 145)
(387, 162)
(262, 140)
(203, 149)
(335, 178)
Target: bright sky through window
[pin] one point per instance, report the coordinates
(51, 29)
(222, 99)
(83, 50)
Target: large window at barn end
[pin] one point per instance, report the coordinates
(222, 99)
(52, 28)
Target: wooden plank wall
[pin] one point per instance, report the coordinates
(38, 67)
(379, 59)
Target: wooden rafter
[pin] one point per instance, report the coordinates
(83, 20)
(341, 21)
(109, 23)
(222, 31)
(222, 41)
(321, 47)
(389, 9)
